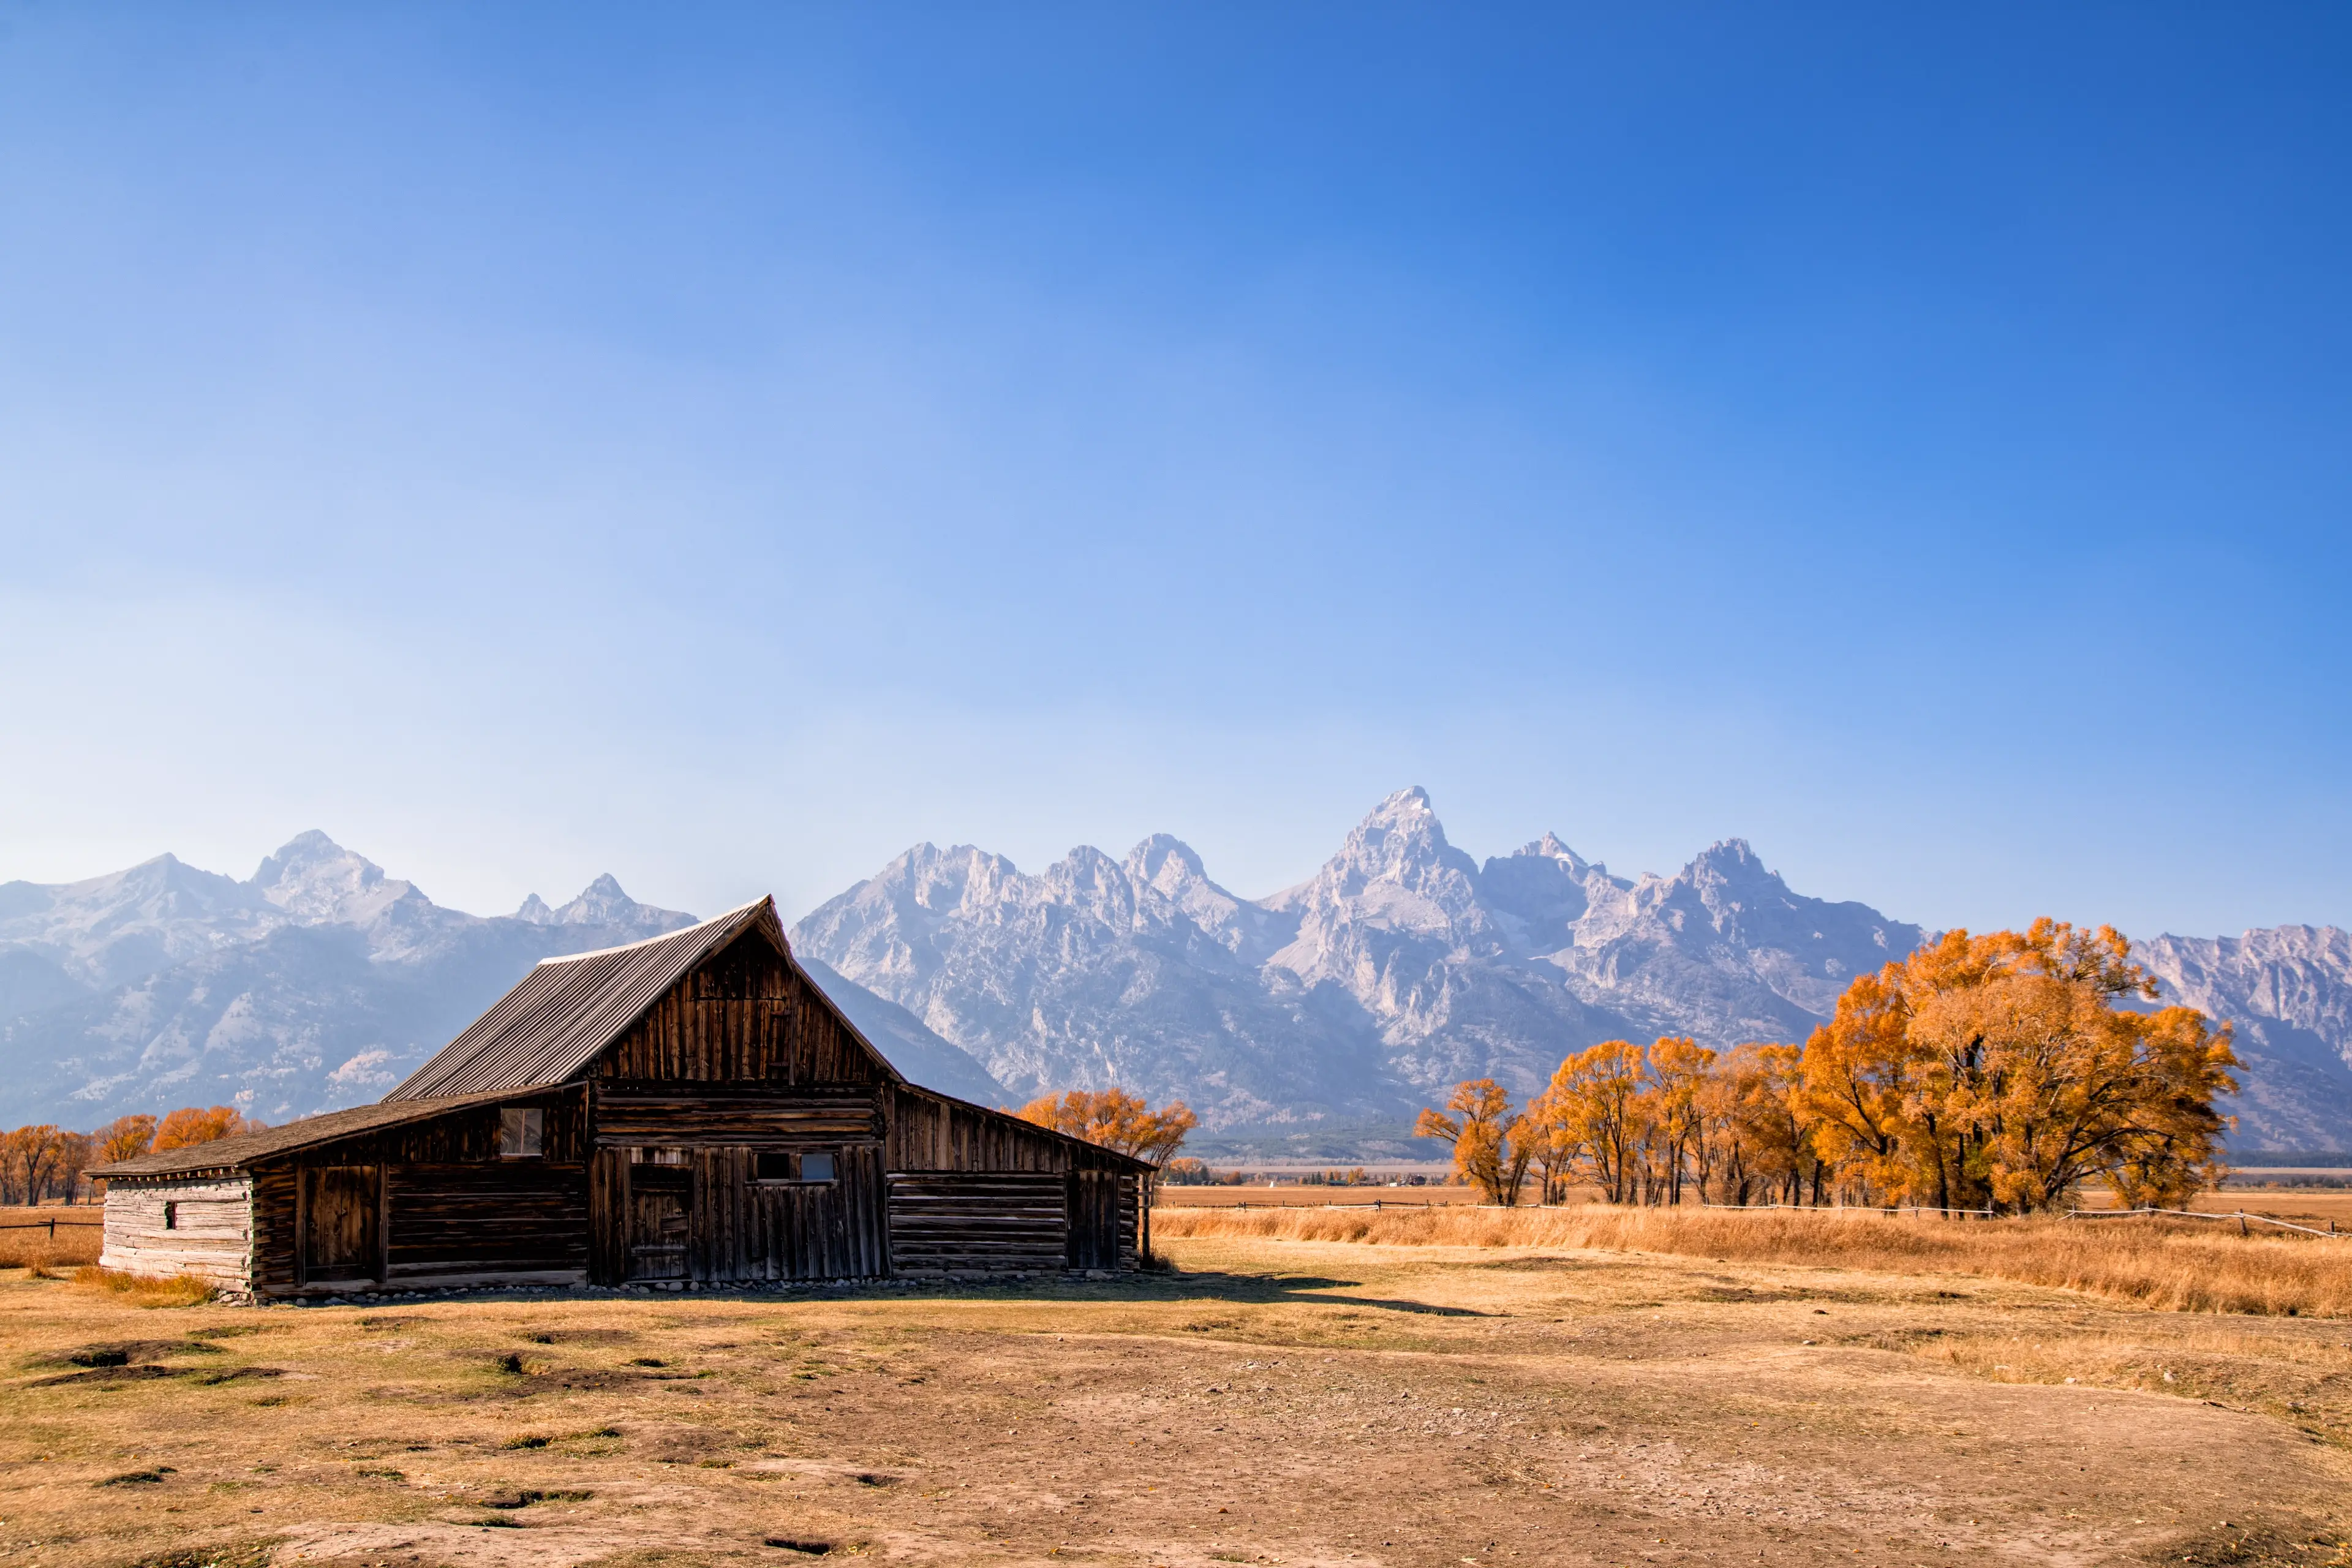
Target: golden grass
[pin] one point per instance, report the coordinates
(2164, 1266)
(1267, 1400)
(142, 1291)
(26, 1243)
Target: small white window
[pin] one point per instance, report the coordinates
(518, 1133)
(816, 1167)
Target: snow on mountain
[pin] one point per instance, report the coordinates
(1330, 1009)
(117, 927)
(2288, 991)
(1094, 971)
(1399, 968)
(604, 905)
(317, 983)
(1403, 966)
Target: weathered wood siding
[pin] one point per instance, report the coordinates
(744, 1016)
(735, 1226)
(679, 1115)
(210, 1234)
(961, 1223)
(512, 1220)
(452, 1210)
(964, 1151)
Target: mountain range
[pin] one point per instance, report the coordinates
(316, 983)
(1314, 1021)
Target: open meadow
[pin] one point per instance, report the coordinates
(1271, 1401)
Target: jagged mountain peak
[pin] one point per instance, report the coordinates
(603, 903)
(1399, 840)
(1166, 862)
(316, 880)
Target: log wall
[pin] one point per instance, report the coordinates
(1098, 1196)
(958, 1224)
(211, 1237)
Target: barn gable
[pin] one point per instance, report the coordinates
(718, 1001)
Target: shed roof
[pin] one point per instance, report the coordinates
(246, 1148)
(565, 1011)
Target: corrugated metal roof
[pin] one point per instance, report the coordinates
(568, 1009)
(234, 1153)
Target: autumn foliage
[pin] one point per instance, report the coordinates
(1115, 1119)
(42, 1161)
(188, 1125)
(1491, 1147)
(1993, 1073)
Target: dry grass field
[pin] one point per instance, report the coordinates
(2304, 1206)
(1288, 1401)
(27, 1242)
(2175, 1264)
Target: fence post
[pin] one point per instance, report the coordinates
(2241, 1222)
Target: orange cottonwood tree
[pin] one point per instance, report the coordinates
(1491, 1146)
(2001, 1071)
(1554, 1147)
(1679, 1069)
(1115, 1119)
(1767, 1150)
(123, 1137)
(189, 1125)
(1599, 1095)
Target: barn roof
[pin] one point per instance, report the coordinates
(560, 1015)
(235, 1153)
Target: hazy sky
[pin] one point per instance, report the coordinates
(724, 446)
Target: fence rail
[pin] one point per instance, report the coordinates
(1375, 1204)
(2244, 1219)
(49, 1225)
(2241, 1215)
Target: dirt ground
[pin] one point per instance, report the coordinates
(1275, 1402)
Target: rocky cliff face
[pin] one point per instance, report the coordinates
(1399, 968)
(316, 983)
(1403, 966)
(2287, 992)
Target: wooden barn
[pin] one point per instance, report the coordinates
(690, 1110)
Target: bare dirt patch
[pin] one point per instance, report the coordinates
(1276, 1402)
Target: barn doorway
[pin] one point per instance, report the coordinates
(1093, 1240)
(341, 1205)
(660, 1195)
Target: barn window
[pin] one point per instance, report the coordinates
(170, 1216)
(643, 1155)
(518, 1133)
(780, 1167)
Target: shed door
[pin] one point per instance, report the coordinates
(339, 1205)
(1094, 1219)
(658, 1198)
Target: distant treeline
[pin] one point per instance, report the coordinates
(42, 1161)
(1993, 1074)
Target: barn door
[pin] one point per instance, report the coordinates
(1094, 1219)
(341, 1208)
(659, 1197)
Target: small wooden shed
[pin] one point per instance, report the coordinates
(690, 1109)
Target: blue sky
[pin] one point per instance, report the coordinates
(726, 446)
